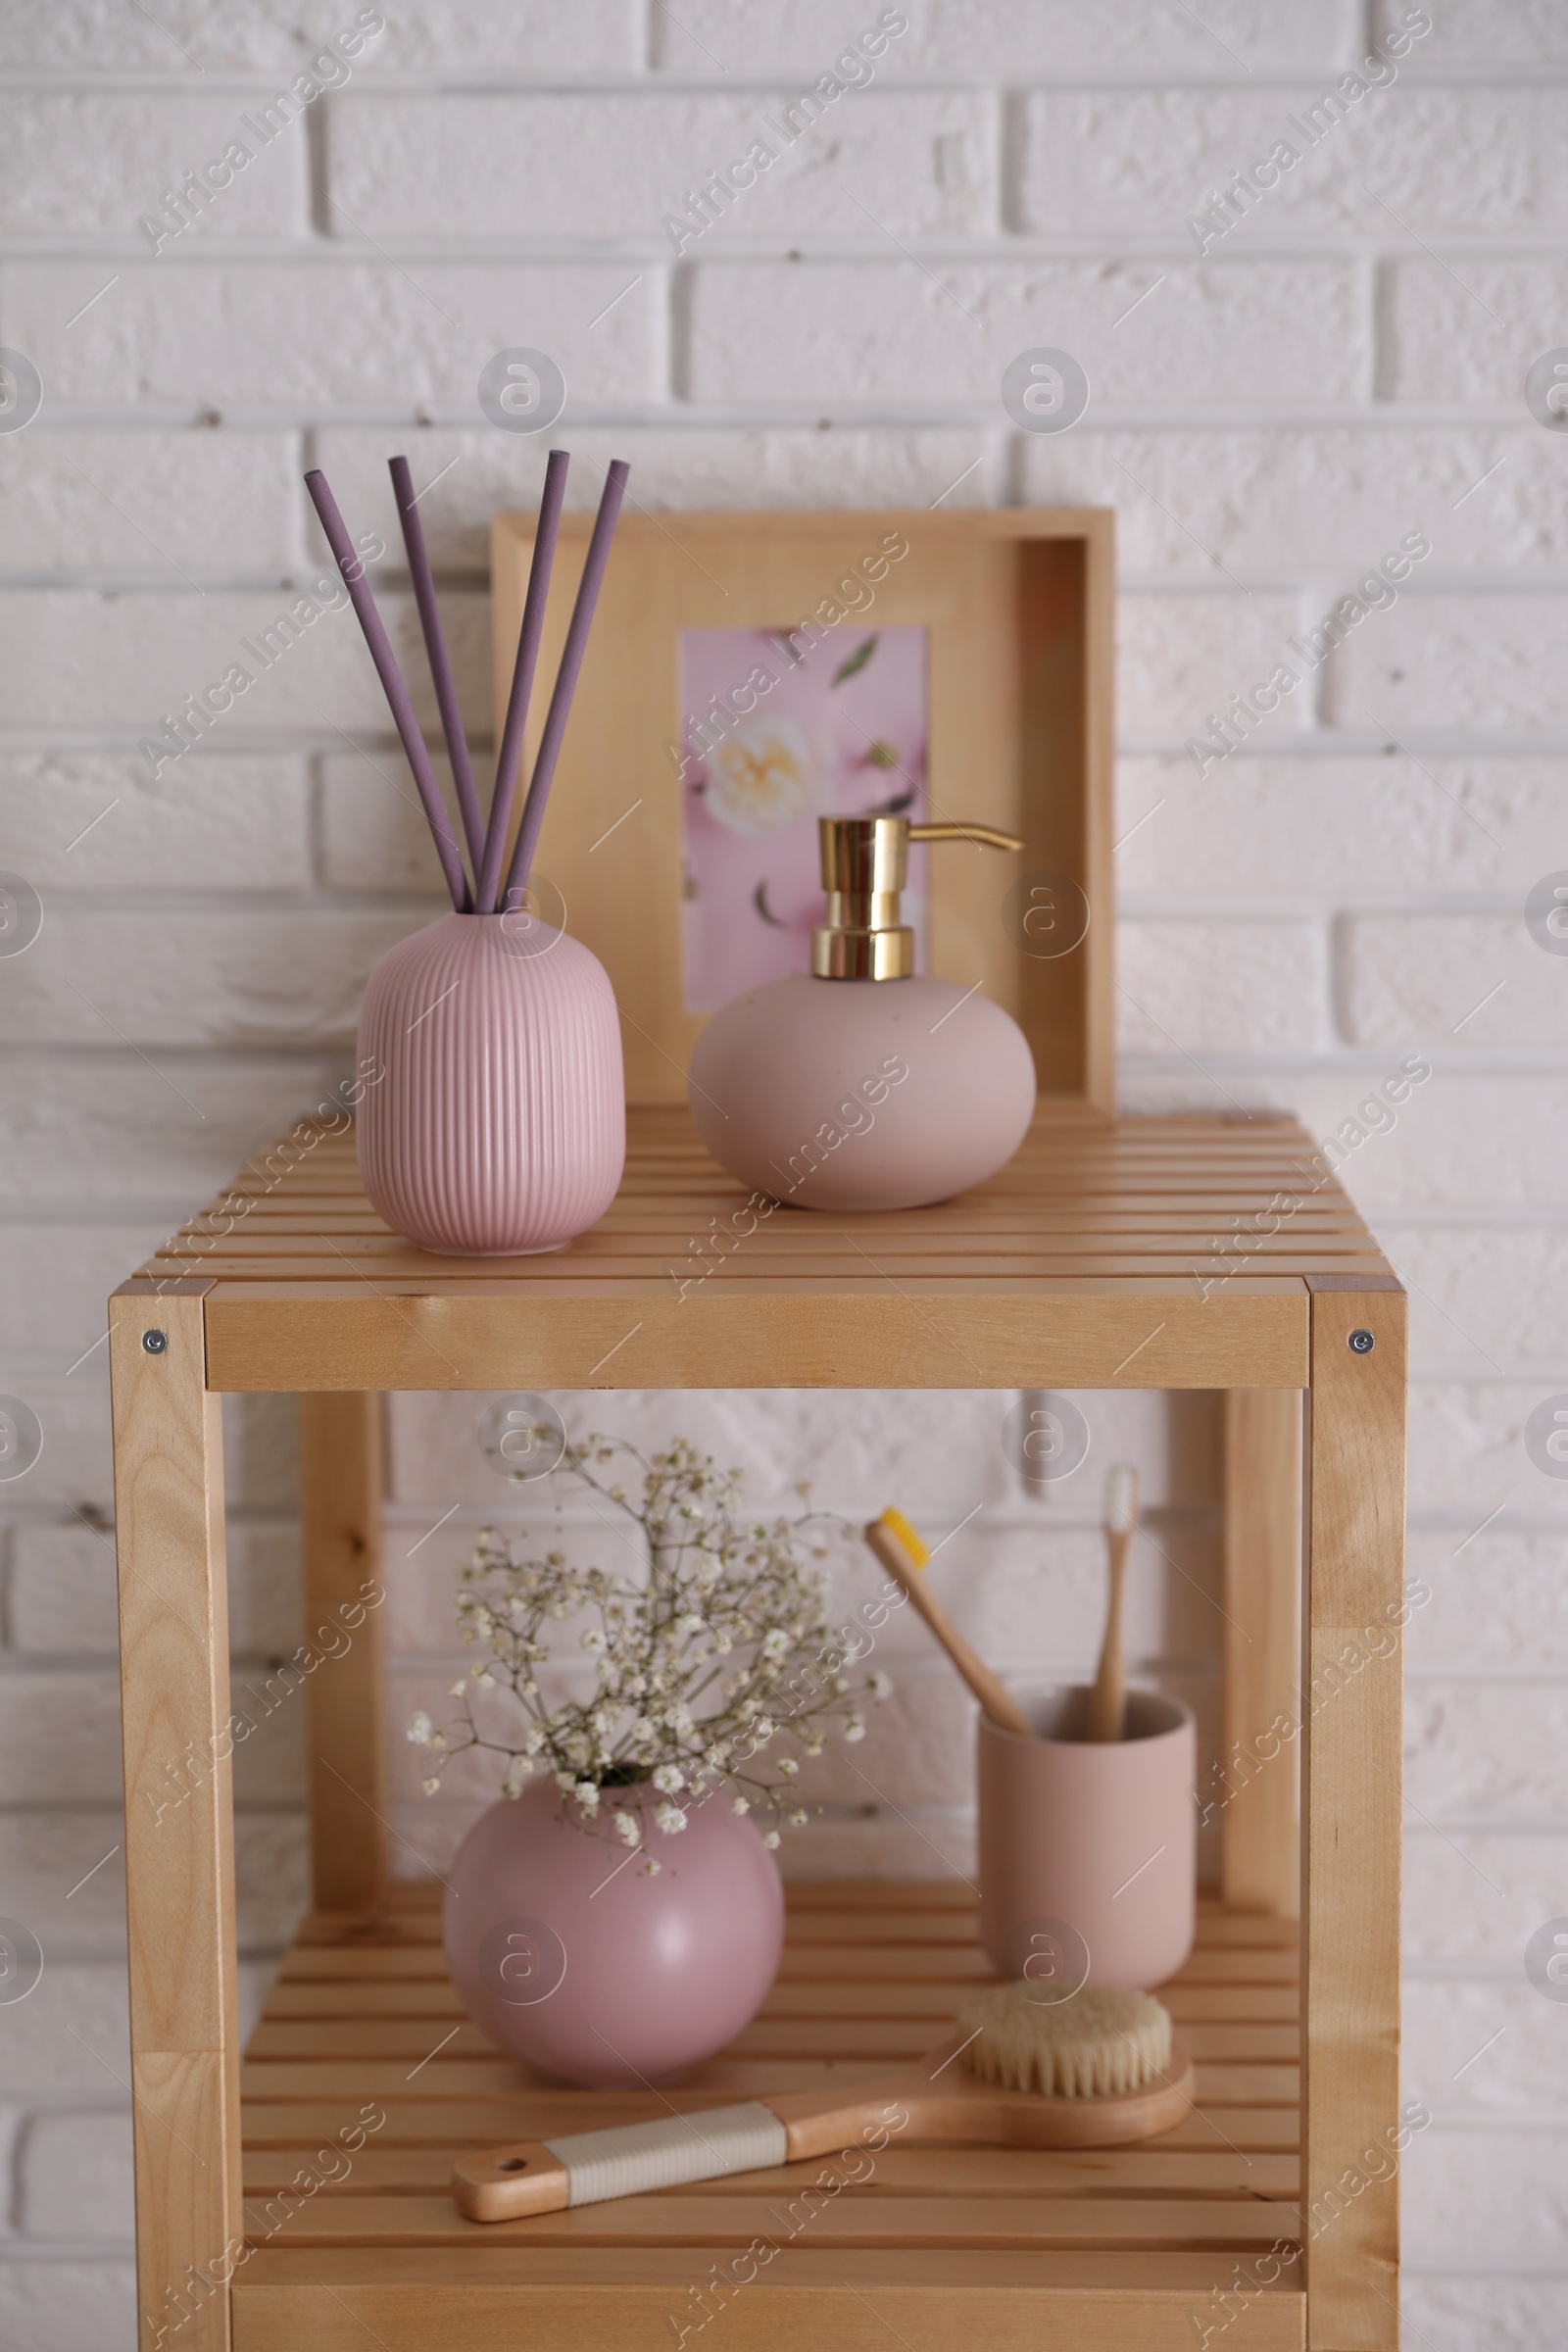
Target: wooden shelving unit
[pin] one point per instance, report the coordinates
(1089, 1261)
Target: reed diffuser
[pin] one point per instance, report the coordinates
(499, 1126)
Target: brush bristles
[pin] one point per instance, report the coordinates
(1121, 1498)
(899, 1526)
(1091, 2044)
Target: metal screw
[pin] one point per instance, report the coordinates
(1362, 1341)
(155, 1341)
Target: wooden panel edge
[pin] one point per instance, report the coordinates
(1351, 1787)
(1258, 1792)
(341, 1487)
(1099, 760)
(805, 1339)
(278, 2312)
(1089, 524)
(177, 1736)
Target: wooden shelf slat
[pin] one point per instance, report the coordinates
(832, 2041)
(697, 2219)
(1253, 2127)
(380, 2171)
(935, 2002)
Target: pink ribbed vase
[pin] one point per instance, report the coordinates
(494, 1118)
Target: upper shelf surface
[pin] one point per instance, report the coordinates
(1173, 1251)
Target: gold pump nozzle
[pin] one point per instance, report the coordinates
(864, 861)
(989, 836)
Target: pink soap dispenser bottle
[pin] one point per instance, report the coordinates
(865, 1085)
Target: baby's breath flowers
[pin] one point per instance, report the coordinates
(720, 1650)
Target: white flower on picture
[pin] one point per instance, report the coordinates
(762, 775)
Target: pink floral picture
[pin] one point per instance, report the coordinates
(781, 728)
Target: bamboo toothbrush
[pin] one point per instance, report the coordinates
(903, 1554)
(1107, 1703)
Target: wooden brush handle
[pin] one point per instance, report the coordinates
(939, 2099)
(1107, 1701)
(994, 1697)
(506, 2183)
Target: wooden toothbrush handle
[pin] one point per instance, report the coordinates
(1107, 1701)
(995, 1697)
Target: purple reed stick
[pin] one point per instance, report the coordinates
(554, 728)
(510, 755)
(436, 646)
(397, 694)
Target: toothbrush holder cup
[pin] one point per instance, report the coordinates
(1089, 1848)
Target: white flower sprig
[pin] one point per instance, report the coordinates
(708, 1665)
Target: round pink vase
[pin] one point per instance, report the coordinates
(493, 1121)
(567, 1954)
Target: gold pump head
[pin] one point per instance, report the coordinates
(864, 861)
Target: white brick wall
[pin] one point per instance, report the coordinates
(1344, 367)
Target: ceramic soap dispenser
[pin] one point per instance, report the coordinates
(865, 1085)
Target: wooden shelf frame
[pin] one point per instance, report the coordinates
(1106, 1256)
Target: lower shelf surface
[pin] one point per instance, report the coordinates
(1140, 2250)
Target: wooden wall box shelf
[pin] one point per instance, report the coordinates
(1097, 1258)
(1079, 1266)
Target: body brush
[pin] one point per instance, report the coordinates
(1096, 2069)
